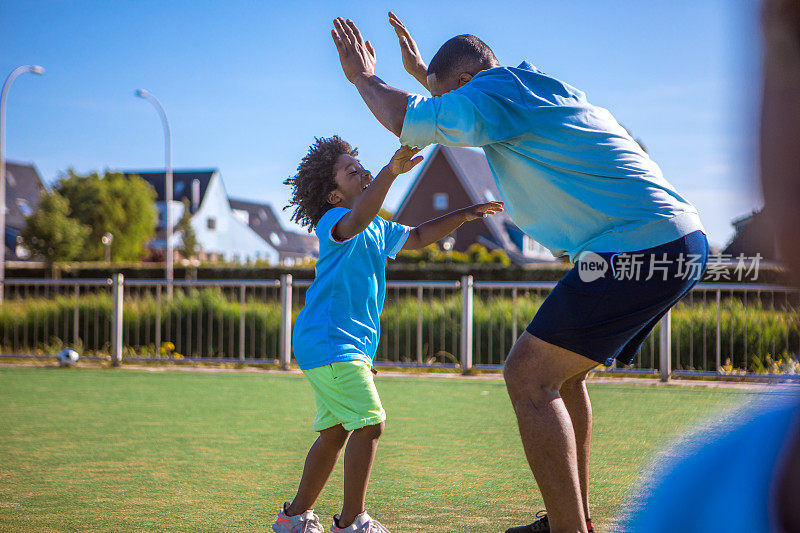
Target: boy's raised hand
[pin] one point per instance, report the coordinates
(482, 210)
(412, 59)
(357, 57)
(403, 160)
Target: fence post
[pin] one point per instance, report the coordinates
(665, 346)
(719, 336)
(241, 321)
(158, 319)
(117, 289)
(286, 321)
(466, 324)
(419, 325)
(76, 316)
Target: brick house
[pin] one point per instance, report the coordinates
(454, 177)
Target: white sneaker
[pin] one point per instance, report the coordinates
(306, 522)
(362, 524)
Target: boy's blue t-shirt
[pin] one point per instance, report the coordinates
(341, 317)
(571, 177)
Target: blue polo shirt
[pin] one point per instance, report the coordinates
(571, 177)
(341, 317)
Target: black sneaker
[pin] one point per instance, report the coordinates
(542, 525)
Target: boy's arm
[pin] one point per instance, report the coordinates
(438, 228)
(370, 201)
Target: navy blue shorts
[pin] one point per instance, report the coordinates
(605, 307)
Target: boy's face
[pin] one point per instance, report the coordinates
(351, 180)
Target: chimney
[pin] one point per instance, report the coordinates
(195, 194)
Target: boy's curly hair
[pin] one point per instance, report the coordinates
(315, 180)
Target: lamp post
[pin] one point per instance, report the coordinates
(33, 69)
(107, 239)
(141, 93)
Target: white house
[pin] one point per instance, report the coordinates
(219, 231)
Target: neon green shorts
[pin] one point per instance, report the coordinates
(345, 394)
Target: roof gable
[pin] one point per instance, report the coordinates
(23, 190)
(262, 220)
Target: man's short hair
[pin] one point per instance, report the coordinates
(462, 53)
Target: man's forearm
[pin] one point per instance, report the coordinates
(435, 230)
(386, 103)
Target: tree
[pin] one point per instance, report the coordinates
(51, 233)
(189, 245)
(113, 203)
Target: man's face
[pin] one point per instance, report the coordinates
(351, 180)
(445, 85)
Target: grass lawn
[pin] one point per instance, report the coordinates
(110, 450)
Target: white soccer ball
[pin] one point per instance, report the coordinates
(67, 357)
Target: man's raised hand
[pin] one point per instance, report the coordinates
(482, 210)
(357, 57)
(412, 59)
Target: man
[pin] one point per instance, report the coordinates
(573, 179)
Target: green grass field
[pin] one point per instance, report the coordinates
(110, 450)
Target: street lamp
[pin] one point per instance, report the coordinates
(34, 69)
(141, 93)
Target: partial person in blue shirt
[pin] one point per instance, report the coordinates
(753, 467)
(574, 180)
(337, 332)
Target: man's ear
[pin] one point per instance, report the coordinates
(464, 78)
(334, 197)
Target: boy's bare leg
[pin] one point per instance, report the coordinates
(358, 459)
(320, 461)
(534, 372)
(579, 407)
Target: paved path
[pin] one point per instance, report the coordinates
(795, 386)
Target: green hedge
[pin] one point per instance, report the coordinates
(205, 323)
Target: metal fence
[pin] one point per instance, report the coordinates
(716, 328)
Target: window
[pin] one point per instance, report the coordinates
(24, 208)
(530, 247)
(211, 223)
(10, 178)
(275, 239)
(440, 201)
(179, 187)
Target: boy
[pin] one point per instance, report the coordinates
(336, 334)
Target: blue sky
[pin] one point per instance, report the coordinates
(247, 85)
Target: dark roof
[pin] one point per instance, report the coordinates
(23, 188)
(181, 182)
(303, 243)
(262, 220)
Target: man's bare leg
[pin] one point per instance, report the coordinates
(320, 462)
(534, 372)
(579, 407)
